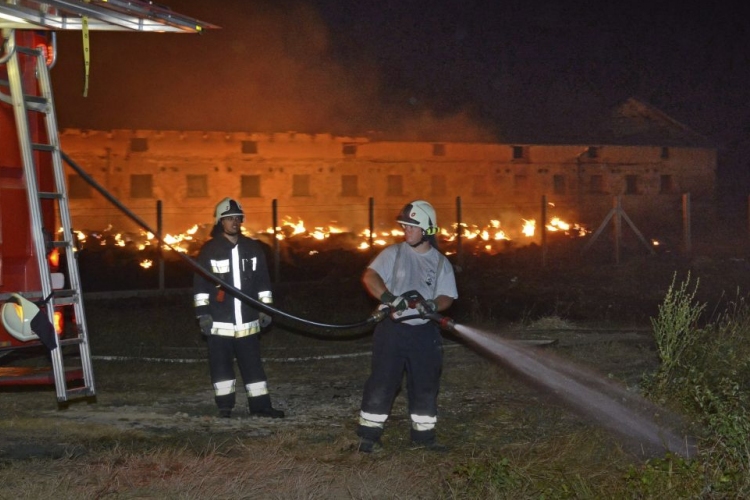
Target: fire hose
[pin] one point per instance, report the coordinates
(414, 300)
(375, 317)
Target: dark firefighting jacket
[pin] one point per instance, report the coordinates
(243, 266)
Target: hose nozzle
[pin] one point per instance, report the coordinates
(378, 315)
(445, 322)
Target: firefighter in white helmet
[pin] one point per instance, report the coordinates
(411, 278)
(231, 326)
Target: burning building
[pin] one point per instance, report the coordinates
(639, 154)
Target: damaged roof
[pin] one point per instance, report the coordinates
(630, 122)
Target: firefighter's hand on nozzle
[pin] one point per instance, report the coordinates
(264, 319)
(205, 321)
(387, 297)
(396, 304)
(426, 307)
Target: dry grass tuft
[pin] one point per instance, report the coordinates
(551, 323)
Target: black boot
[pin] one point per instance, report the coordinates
(367, 445)
(260, 406)
(269, 412)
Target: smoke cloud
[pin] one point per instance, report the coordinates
(270, 68)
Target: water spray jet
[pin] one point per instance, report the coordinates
(625, 413)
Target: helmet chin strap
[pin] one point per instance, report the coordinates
(424, 238)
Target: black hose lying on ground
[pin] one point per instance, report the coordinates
(371, 320)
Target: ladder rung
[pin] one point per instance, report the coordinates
(28, 50)
(37, 103)
(35, 99)
(44, 147)
(60, 244)
(64, 292)
(50, 196)
(67, 342)
(65, 301)
(78, 391)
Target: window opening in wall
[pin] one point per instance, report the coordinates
(519, 153)
(559, 184)
(596, 184)
(349, 185)
(631, 184)
(438, 150)
(249, 147)
(439, 185)
(197, 186)
(395, 185)
(301, 185)
(77, 187)
(141, 186)
(665, 184)
(138, 144)
(665, 153)
(250, 186)
(592, 152)
(349, 149)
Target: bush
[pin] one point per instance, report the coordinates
(705, 372)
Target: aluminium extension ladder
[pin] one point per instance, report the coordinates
(25, 102)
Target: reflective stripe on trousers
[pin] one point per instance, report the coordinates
(224, 387)
(423, 422)
(372, 419)
(256, 389)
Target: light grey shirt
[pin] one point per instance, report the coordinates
(403, 269)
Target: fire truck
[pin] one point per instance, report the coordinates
(41, 301)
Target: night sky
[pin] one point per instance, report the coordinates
(454, 70)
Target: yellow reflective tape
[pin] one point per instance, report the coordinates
(86, 55)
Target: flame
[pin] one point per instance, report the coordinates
(54, 258)
(490, 238)
(58, 319)
(529, 227)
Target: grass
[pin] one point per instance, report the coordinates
(153, 434)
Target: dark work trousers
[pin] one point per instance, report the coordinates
(398, 348)
(221, 354)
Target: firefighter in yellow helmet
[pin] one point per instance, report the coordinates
(231, 326)
(412, 279)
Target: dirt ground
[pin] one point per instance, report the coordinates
(153, 388)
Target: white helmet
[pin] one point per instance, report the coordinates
(227, 208)
(17, 314)
(419, 213)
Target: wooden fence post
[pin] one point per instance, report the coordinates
(686, 224)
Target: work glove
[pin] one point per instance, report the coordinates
(387, 298)
(205, 321)
(426, 307)
(396, 304)
(264, 319)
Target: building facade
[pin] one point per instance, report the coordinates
(648, 161)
